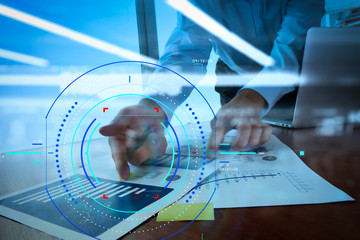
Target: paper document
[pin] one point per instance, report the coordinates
(111, 208)
(267, 176)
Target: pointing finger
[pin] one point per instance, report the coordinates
(119, 155)
(266, 134)
(255, 134)
(242, 139)
(216, 137)
(112, 130)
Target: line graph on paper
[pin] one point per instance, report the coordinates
(252, 176)
(273, 176)
(255, 187)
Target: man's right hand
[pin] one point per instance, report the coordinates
(136, 135)
(242, 114)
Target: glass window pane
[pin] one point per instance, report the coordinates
(27, 91)
(111, 21)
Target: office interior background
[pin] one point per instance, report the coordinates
(27, 90)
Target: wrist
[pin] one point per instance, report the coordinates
(251, 99)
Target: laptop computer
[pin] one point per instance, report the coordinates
(329, 85)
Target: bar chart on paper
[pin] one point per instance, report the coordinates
(81, 207)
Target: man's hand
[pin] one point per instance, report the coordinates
(136, 135)
(241, 113)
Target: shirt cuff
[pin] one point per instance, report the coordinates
(271, 86)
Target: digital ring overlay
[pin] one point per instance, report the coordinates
(69, 111)
(99, 124)
(177, 162)
(92, 122)
(173, 156)
(95, 177)
(173, 153)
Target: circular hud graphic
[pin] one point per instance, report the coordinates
(82, 181)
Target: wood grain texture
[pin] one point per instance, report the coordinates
(336, 158)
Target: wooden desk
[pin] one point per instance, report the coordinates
(336, 158)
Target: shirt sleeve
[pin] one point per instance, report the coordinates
(275, 81)
(188, 44)
(186, 52)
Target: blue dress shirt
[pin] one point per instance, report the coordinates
(277, 27)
